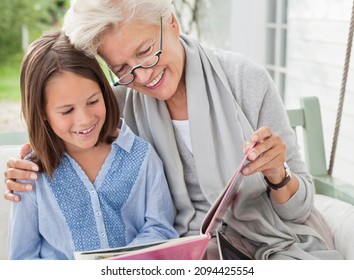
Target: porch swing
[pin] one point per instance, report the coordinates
(334, 198)
(309, 118)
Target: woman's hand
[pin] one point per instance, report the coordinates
(19, 169)
(268, 157)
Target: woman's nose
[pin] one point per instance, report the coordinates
(142, 75)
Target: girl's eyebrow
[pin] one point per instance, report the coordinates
(98, 92)
(70, 105)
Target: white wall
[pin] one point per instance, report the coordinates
(247, 24)
(236, 25)
(317, 37)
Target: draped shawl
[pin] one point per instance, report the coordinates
(218, 127)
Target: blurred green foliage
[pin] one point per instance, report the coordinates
(10, 77)
(37, 15)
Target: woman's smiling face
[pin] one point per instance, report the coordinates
(124, 47)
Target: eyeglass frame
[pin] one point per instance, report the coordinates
(131, 72)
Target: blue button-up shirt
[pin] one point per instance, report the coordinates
(128, 203)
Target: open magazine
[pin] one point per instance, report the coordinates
(183, 248)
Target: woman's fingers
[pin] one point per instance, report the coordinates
(8, 195)
(16, 163)
(268, 155)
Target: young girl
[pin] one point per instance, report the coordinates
(98, 186)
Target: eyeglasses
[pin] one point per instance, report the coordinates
(147, 63)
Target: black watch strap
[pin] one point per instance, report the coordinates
(283, 182)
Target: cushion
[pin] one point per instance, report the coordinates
(340, 218)
(6, 152)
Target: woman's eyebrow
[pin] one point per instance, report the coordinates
(136, 51)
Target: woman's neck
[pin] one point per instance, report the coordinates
(177, 104)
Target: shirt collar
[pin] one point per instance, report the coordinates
(125, 137)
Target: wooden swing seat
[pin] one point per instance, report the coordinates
(308, 117)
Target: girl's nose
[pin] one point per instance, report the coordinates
(83, 116)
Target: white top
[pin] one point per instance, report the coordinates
(183, 128)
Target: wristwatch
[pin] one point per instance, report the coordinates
(283, 182)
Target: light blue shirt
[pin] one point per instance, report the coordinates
(129, 203)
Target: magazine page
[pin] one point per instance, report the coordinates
(216, 212)
(111, 252)
(183, 248)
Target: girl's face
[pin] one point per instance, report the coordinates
(130, 44)
(75, 110)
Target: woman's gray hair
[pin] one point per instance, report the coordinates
(87, 21)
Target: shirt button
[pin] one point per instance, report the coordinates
(102, 234)
(98, 214)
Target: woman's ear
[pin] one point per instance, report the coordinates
(175, 24)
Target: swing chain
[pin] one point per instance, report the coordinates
(342, 93)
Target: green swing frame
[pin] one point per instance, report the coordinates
(308, 118)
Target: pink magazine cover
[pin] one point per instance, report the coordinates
(184, 248)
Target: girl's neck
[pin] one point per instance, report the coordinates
(91, 160)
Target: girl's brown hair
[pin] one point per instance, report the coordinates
(48, 55)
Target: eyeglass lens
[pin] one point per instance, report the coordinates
(147, 63)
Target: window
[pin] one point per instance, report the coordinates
(276, 32)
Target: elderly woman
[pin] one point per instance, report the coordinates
(200, 109)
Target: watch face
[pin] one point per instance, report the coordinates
(287, 170)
